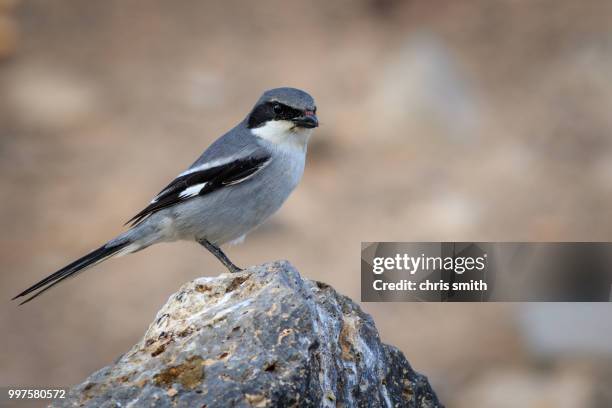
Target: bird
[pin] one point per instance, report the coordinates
(239, 181)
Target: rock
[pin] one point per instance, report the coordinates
(262, 337)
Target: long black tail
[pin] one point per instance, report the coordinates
(94, 257)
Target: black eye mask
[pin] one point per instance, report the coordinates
(271, 111)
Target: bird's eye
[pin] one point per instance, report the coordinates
(277, 108)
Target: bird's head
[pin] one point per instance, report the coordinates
(282, 114)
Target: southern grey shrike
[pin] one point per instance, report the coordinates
(235, 185)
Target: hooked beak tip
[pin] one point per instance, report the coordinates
(307, 121)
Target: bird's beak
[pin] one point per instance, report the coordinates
(308, 120)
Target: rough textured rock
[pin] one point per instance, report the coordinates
(263, 337)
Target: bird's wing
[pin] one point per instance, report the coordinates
(205, 177)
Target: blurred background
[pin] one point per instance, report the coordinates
(444, 120)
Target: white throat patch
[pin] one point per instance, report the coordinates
(283, 133)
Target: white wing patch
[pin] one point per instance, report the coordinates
(208, 165)
(199, 180)
(192, 191)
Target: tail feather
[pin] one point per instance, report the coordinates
(94, 257)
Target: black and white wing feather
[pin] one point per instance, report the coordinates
(201, 180)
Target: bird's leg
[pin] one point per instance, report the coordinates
(218, 253)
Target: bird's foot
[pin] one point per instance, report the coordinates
(218, 253)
